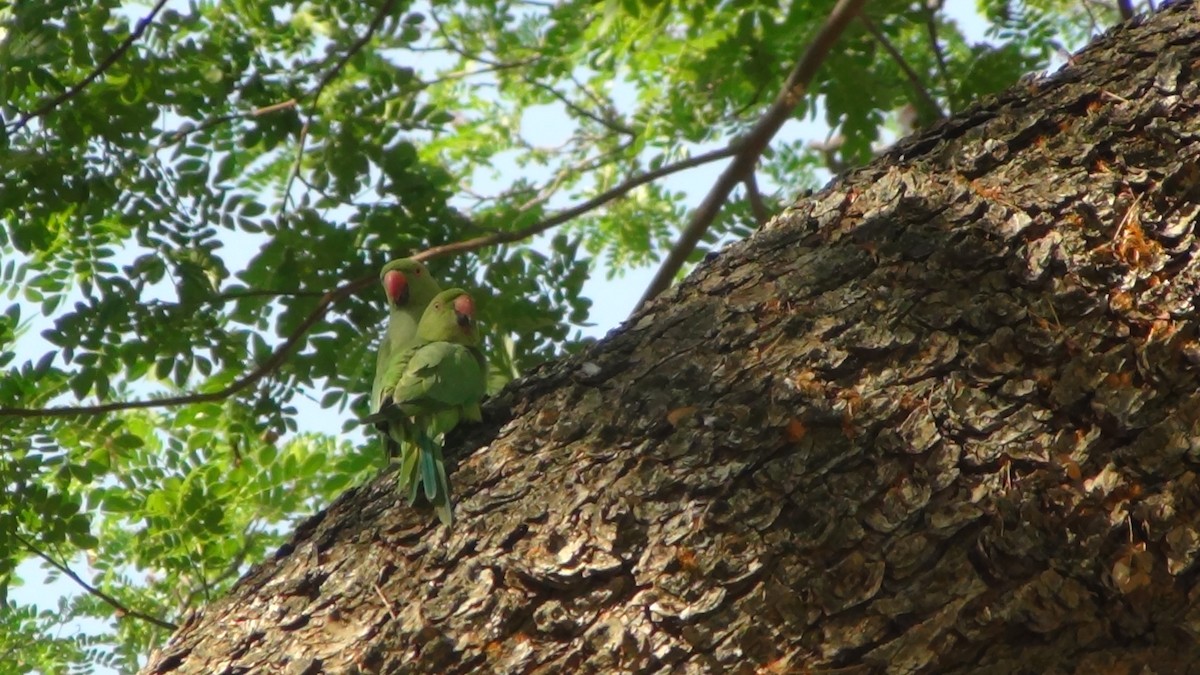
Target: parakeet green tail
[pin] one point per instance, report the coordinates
(421, 464)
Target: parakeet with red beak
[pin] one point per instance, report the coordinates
(428, 389)
(409, 289)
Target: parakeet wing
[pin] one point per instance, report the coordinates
(440, 374)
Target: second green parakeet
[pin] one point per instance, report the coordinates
(429, 387)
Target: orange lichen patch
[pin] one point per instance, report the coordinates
(1130, 243)
(993, 193)
(1120, 301)
(795, 431)
(1132, 568)
(1162, 329)
(1065, 124)
(872, 249)
(1094, 106)
(1070, 466)
(986, 191)
(547, 417)
(848, 429)
(1190, 350)
(782, 664)
(686, 558)
(680, 415)
(806, 382)
(853, 400)
(1119, 380)
(1101, 166)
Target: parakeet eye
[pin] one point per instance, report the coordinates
(395, 284)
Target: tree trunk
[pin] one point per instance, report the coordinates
(942, 416)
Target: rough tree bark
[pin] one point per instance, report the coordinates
(942, 416)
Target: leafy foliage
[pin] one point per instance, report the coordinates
(191, 186)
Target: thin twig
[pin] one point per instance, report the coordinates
(386, 603)
(748, 149)
(355, 47)
(113, 602)
(264, 293)
(293, 172)
(913, 78)
(277, 357)
(187, 130)
(1126, 8)
(757, 206)
(571, 213)
(330, 298)
(936, 44)
(104, 65)
(464, 73)
(609, 112)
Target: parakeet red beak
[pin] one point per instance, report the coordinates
(464, 310)
(395, 284)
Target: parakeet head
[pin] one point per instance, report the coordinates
(407, 283)
(450, 317)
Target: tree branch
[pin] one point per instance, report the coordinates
(573, 212)
(748, 149)
(611, 125)
(757, 206)
(264, 293)
(355, 47)
(92, 590)
(913, 78)
(490, 68)
(330, 298)
(186, 130)
(1126, 8)
(936, 44)
(104, 65)
(277, 357)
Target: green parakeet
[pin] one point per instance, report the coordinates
(409, 288)
(429, 388)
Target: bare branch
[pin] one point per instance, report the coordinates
(573, 212)
(189, 129)
(913, 78)
(491, 68)
(104, 65)
(264, 293)
(935, 43)
(330, 298)
(748, 149)
(355, 47)
(757, 206)
(1126, 8)
(277, 357)
(294, 171)
(122, 610)
(610, 124)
